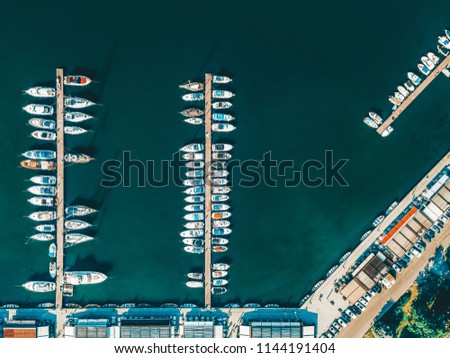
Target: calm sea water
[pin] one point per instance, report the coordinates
(305, 73)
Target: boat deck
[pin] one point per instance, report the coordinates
(60, 194)
(208, 137)
(395, 114)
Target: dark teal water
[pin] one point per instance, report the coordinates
(305, 74)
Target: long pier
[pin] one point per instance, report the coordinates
(208, 135)
(442, 66)
(60, 187)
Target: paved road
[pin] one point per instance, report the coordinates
(357, 328)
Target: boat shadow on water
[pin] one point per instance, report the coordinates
(80, 263)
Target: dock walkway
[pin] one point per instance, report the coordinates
(60, 192)
(208, 137)
(442, 66)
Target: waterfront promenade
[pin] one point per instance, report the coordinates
(208, 135)
(394, 115)
(60, 186)
(321, 301)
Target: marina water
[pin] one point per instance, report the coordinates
(305, 74)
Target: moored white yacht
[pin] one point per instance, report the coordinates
(414, 78)
(219, 274)
(409, 86)
(378, 120)
(193, 182)
(222, 94)
(76, 238)
(73, 130)
(79, 210)
(44, 190)
(387, 131)
(427, 62)
(77, 158)
(221, 189)
(44, 135)
(40, 154)
(221, 215)
(41, 92)
(43, 237)
(192, 86)
(195, 199)
(77, 102)
(194, 249)
(41, 201)
(194, 120)
(194, 284)
(192, 241)
(195, 174)
(370, 122)
(403, 91)
(195, 276)
(193, 97)
(192, 233)
(83, 277)
(433, 58)
(76, 224)
(220, 266)
(43, 216)
(39, 286)
(192, 148)
(42, 123)
(221, 156)
(192, 112)
(221, 147)
(39, 109)
(221, 105)
(222, 117)
(221, 79)
(221, 223)
(194, 216)
(46, 228)
(194, 207)
(194, 225)
(218, 198)
(76, 117)
(196, 164)
(219, 173)
(424, 69)
(76, 80)
(195, 190)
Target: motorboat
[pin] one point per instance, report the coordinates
(219, 241)
(221, 105)
(192, 233)
(378, 120)
(73, 130)
(403, 91)
(220, 207)
(366, 235)
(409, 86)
(423, 69)
(221, 79)
(38, 164)
(219, 274)
(44, 190)
(221, 147)
(219, 282)
(194, 190)
(44, 179)
(442, 51)
(194, 249)
(77, 158)
(378, 221)
(218, 290)
(194, 217)
(39, 109)
(77, 102)
(194, 207)
(76, 80)
(331, 270)
(447, 33)
(46, 305)
(222, 117)
(76, 224)
(195, 199)
(45, 228)
(79, 210)
(52, 250)
(192, 86)
(75, 239)
(414, 78)
(195, 276)
(193, 182)
(194, 120)
(196, 164)
(72, 305)
(76, 117)
(394, 101)
(41, 92)
(194, 225)
(387, 131)
(42, 123)
(217, 198)
(43, 237)
(40, 154)
(190, 97)
(222, 94)
(194, 241)
(44, 135)
(193, 148)
(317, 285)
(193, 156)
(221, 189)
(192, 112)
(391, 208)
(43, 216)
(39, 286)
(427, 62)
(221, 156)
(194, 284)
(83, 277)
(218, 215)
(221, 223)
(221, 231)
(52, 269)
(219, 165)
(444, 41)
(219, 173)
(219, 181)
(220, 266)
(399, 96)
(195, 174)
(345, 257)
(433, 58)
(222, 127)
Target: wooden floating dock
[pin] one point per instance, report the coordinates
(60, 187)
(208, 147)
(441, 66)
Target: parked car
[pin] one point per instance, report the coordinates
(336, 325)
(360, 306)
(350, 313)
(333, 330)
(397, 268)
(440, 224)
(415, 252)
(356, 309)
(431, 233)
(409, 255)
(443, 219)
(419, 245)
(377, 288)
(427, 237)
(435, 229)
(367, 297)
(341, 322)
